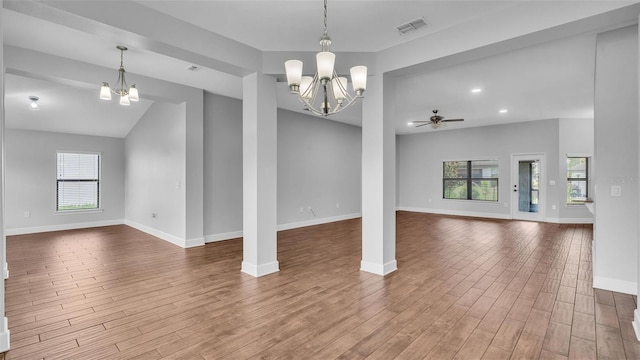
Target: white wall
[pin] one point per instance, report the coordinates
(576, 139)
(222, 167)
(616, 161)
(155, 173)
(318, 167)
(421, 155)
(31, 181)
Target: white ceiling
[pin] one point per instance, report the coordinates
(549, 80)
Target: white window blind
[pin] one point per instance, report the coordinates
(78, 181)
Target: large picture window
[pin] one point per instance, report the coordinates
(78, 181)
(577, 180)
(470, 180)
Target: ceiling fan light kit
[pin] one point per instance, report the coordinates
(126, 93)
(326, 92)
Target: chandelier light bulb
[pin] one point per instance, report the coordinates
(124, 100)
(339, 86)
(326, 60)
(305, 87)
(105, 91)
(294, 73)
(133, 93)
(359, 79)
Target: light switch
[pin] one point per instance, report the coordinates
(616, 190)
(552, 182)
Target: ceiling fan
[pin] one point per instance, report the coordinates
(436, 121)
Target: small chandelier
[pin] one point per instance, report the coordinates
(126, 94)
(325, 93)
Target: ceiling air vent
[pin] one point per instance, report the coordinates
(412, 25)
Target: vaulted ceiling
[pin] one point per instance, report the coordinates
(533, 58)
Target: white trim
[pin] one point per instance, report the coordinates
(317, 221)
(223, 236)
(379, 269)
(5, 335)
(60, 227)
(157, 233)
(189, 243)
(621, 286)
(570, 220)
(260, 270)
(636, 323)
(455, 212)
(5, 271)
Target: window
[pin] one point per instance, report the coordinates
(577, 180)
(470, 180)
(78, 181)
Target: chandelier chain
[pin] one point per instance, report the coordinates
(325, 17)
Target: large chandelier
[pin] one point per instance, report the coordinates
(325, 93)
(126, 93)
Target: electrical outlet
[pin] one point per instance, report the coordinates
(553, 207)
(27, 214)
(301, 209)
(337, 205)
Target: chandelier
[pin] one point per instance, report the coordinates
(126, 94)
(325, 93)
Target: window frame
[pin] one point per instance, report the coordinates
(98, 207)
(585, 179)
(469, 179)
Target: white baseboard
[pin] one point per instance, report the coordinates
(159, 234)
(260, 270)
(569, 220)
(455, 212)
(379, 269)
(223, 236)
(61, 227)
(312, 222)
(621, 286)
(189, 243)
(636, 323)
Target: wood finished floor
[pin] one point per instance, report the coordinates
(465, 289)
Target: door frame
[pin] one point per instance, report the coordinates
(542, 189)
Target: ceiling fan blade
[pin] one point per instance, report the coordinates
(449, 120)
(426, 123)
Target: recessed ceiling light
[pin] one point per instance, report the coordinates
(476, 90)
(503, 111)
(34, 102)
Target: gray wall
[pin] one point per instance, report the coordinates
(155, 151)
(319, 166)
(421, 155)
(31, 180)
(616, 161)
(222, 167)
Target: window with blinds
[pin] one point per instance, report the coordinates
(78, 181)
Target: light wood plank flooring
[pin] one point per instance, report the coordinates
(465, 289)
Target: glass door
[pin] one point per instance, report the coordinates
(527, 187)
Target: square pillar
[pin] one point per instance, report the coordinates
(4, 326)
(259, 177)
(378, 179)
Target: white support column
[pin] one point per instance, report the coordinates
(259, 160)
(4, 325)
(636, 312)
(378, 179)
